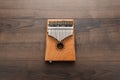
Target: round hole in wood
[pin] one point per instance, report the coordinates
(60, 45)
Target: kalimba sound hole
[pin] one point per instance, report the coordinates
(60, 45)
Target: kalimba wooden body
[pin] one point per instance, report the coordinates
(60, 45)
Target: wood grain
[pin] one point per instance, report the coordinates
(53, 53)
(22, 39)
(59, 9)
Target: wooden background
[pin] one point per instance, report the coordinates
(22, 39)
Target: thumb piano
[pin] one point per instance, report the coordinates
(60, 40)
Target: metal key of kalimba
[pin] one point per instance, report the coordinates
(60, 40)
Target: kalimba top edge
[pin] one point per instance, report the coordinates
(61, 20)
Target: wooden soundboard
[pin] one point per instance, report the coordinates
(60, 45)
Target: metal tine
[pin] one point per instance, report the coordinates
(61, 35)
(64, 34)
(67, 33)
(56, 34)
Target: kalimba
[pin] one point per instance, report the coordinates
(60, 40)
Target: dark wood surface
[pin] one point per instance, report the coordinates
(22, 39)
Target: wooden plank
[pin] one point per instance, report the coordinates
(80, 70)
(31, 30)
(60, 5)
(96, 39)
(60, 9)
(26, 13)
(22, 30)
